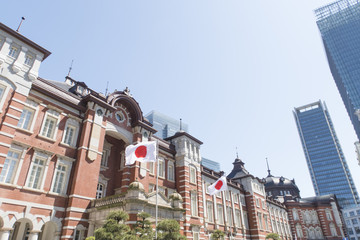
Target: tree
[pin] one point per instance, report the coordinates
(273, 236)
(114, 228)
(143, 228)
(217, 234)
(169, 229)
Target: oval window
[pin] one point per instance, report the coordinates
(120, 116)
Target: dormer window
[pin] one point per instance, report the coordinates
(28, 60)
(12, 52)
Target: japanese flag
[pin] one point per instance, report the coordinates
(142, 152)
(218, 186)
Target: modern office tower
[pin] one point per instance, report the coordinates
(325, 159)
(339, 25)
(166, 126)
(215, 166)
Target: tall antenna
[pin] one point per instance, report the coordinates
(22, 19)
(70, 68)
(267, 163)
(180, 124)
(107, 86)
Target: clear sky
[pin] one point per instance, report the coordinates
(233, 70)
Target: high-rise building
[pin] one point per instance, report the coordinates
(210, 164)
(325, 159)
(165, 126)
(339, 25)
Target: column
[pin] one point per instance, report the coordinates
(4, 234)
(34, 235)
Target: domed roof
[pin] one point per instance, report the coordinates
(281, 182)
(136, 185)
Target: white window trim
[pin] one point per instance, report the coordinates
(171, 164)
(103, 180)
(35, 107)
(196, 207)
(73, 123)
(82, 230)
(6, 88)
(45, 157)
(162, 175)
(68, 171)
(195, 172)
(22, 152)
(54, 114)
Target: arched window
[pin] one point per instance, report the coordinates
(79, 232)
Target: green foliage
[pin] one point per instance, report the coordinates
(169, 229)
(217, 234)
(90, 238)
(273, 236)
(143, 228)
(114, 228)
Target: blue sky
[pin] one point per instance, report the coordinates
(232, 70)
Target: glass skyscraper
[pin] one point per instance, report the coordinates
(166, 126)
(325, 159)
(339, 25)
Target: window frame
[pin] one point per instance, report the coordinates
(50, 114)
(34, 166)
(194, 204)
(65, 183)
(192, 174)
(32, 106)
(72, 124)
(13, 51)
(161, 168)
(171, 172)
(210, 211)
(220, 214)
(16, 169)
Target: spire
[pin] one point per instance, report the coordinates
(267, 163)
(70, 68)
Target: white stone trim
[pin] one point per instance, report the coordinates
(15, 108)
(6, 134)
(31, 204)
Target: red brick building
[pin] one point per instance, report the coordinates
(62, 163)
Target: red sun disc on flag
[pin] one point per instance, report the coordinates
(140, 152)
(218, 185)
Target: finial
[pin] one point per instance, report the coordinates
(70, 68)
(22, 19)
(180, 124)
(267, 163)
(107, 86)
(237, 153)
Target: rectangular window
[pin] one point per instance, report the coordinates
(10, 166)
(237, 218)
(49, 127)
(194, 207)
(28, 60)
(69, 135)
(245, 217)
(60, 178)
(36, 173)
(229, 216)
(105, 157)
(257, 202)
(169, 192)
(263, 204)
(266, 222)
(242, 200)
(260, 221)
(210, 211)
(196, 236)
(151, 167)
(151, 188)
(171, 171)
(26, 118)
(220, 213)
(162, 190)
(12, 52)
(236, 198)
(192, 174)
(100, 191)
(161, 163)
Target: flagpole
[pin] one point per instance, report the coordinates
(157, 187)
